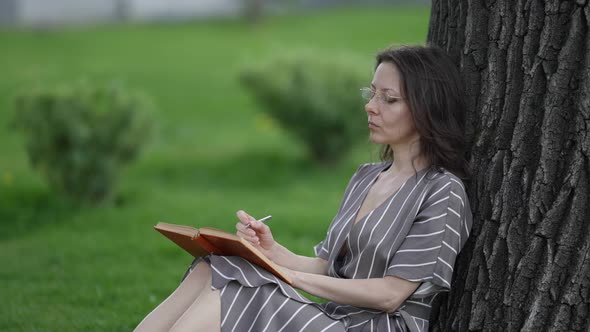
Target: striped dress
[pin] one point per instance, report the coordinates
(415, 234)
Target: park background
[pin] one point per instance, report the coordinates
(66, 267)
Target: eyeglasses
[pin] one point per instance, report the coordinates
(382, 96)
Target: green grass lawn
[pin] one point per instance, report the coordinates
(64, 268)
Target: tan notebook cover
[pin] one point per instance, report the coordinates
(205, 240)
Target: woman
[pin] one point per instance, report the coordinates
(392, 245)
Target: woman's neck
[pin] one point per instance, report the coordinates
(407, 159)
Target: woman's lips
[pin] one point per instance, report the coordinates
(372, 125)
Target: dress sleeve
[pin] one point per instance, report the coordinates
(438, 233)
(322, 249)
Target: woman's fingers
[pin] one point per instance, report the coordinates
(245, 232)
(259, 227)
(244, 217)
(254, 231)
(248, 234)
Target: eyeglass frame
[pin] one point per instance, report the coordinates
(368, 94)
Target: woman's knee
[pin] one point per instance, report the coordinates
(203, 315)
(195, 282)
(201, 271)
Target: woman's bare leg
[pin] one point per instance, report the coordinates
(203, 315)
(168, 312)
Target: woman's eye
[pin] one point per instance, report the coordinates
(391, 100)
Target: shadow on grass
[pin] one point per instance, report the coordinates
(25, 209)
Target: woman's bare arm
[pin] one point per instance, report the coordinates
(383, 294)
(309, 274)
(260, 236)
(288, 259)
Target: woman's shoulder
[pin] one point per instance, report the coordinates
(444, 185)
(439, 178)
(368, 167)
(366, 170)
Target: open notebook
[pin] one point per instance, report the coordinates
(206, 240)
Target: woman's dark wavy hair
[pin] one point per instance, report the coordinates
(433, 89)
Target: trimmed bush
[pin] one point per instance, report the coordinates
(313, 97)
(80, 136)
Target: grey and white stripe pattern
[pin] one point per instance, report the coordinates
(415, 234)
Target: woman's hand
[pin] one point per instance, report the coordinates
(258, 234)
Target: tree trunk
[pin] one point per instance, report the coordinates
(526, 64)
(253, 10)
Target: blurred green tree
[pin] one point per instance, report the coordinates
(313, 97)
(80, 136)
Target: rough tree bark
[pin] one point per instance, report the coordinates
(526, 64)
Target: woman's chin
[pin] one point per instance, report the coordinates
(375, 139)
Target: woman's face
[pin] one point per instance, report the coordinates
(390, 119)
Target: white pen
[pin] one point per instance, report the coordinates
(264, 220)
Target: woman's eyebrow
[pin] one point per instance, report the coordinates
(385, 89)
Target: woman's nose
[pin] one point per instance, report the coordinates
(370, 107)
